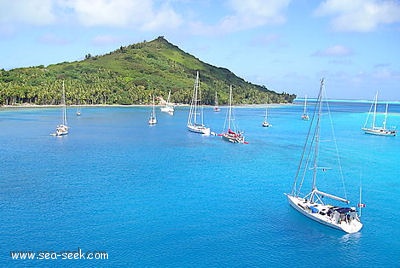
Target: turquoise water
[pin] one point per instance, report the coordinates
(160, 196)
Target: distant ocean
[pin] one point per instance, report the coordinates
(160, 196)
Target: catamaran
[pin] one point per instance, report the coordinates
(195, 119)
(216, 107)
(63, 128)
(153, 117)
(376, 130)
(265, 122)
(305, 116)
(231, 134)
(168, 108)
(319, 205)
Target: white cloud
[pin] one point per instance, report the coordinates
(166, 17)
(124, 13)
(359, 15)
(246, 15)
(334, 51)
(137, 14)
(260, 11)
(35, 12)
(384, 71)
(103, 12)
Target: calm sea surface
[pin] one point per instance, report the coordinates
(160, 196)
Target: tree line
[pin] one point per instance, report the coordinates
(39, 86)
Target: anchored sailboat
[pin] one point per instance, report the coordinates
(231, 134)
(376, 130)
(305, 116)
(78, 111)
(153, 117)
(266, 123)
(216, 107)
(168, 108)
(78, 108)
(319, 205)
(195, 119)
(63, 128)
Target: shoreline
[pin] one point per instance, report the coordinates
(138, 105)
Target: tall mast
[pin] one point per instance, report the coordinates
(199, 99)
(195, 100)
(193, 104)
(230, 107)
(374, 116)
(64, 118)
(317, 136)
(154, 108)
(384, 121)
(360, 204)
(305, 104)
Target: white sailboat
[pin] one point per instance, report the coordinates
(153, 116)
(195, 121)
(376, 130)
(230, 133)
(305, 116)
(63, 128)
(319, 205)
(78, 111)
(216, 107)
(266, 122)
(168, 108)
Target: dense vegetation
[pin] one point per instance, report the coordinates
(130, 75)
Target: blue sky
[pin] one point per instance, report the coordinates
(286, 45)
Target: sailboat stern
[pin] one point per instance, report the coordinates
(62, 130)
(341, 218)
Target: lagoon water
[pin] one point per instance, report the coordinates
(160, 196)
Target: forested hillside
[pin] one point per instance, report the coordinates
(130, 75)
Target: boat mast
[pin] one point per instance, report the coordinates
(169, 96)
(193, 104)
(64, 115)
(317, 138)
(199, 99)
(374, 115)
(230, 108)
(384, 121)
(266, 113)
(154, 109)
(360, 205)
(196, 88)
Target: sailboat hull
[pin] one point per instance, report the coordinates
(379, 131)
(167, 109)
(62, 130)
(233, 138)
(344, 219)
(305, 117)
(152, 121)
(199, 129)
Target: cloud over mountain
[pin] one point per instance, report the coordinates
(359, 15)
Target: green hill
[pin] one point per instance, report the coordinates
(130, 75)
